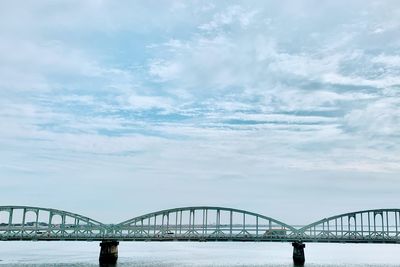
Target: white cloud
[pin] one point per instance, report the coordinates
(164, 70)
(381, 117)
(233, 14)
(35, 66)
(392, 61)
(385, 82)
(149, 102)
(269, 93)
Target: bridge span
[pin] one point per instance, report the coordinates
(201, 223)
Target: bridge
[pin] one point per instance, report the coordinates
(201, 223)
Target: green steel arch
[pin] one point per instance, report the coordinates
(37, 223)
(375, 225)
(130, 221)
(53, 212)
(205, 223)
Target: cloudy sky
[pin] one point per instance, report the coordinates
(113, 109)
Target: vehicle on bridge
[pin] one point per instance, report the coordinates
(278, 232)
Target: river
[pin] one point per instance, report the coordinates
(85, 254)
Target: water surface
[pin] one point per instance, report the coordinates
(151, 254)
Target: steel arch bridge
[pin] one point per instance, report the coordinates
(200, 223)
(368, 226)
(204, 223)
(35, 223)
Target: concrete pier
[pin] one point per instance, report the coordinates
(108, 252)
(298, 253)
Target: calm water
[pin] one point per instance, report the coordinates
(85, 254)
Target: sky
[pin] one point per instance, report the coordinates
(113, 109)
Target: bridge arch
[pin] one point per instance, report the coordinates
(376, 225)
(29, 223)
(205, 223)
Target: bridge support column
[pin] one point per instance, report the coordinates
(298, 253)
(108, 251)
